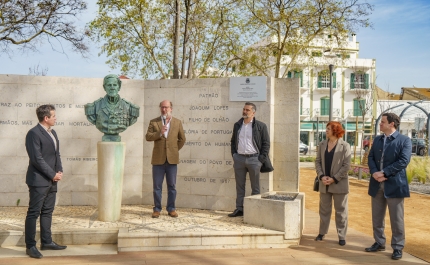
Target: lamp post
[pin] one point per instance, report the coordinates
(331, 56)
(330, 114)
(318, 127)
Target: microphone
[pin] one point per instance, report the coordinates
(164, 119)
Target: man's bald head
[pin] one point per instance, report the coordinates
(164, 102)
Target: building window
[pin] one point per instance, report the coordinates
(359, 106)
(359, 81)
(324, 79)
(296, 74)
(325, 106)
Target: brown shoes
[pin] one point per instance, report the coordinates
(173, 214)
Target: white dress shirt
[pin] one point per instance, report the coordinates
(246, 145)
(166, 133)
(50, 134)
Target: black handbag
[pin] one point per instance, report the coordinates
(267, 166)
(317, 184)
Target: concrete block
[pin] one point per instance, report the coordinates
(83, 167)
(9, 182)
(190, 201)
(130, 239)
(193, 167)
(14, 165)
(132, 189)
(285, 216)
(64, 198)
(221, 238)
(76, 147)
(9, 146)
(84, 198)
(12, 198)
(78, 182)
(133, 165)
(221, 203)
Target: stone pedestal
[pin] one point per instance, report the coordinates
(110, 162)
(285, 216)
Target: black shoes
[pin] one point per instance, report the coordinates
(52, 246)
(397, 254)
(319, 237)
(375, 247)
(33, 252)
(342, 242)
(236, 213)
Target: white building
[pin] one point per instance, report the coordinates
(353, 83)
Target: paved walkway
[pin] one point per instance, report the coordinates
(308, 252)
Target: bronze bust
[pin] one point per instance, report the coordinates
(111, 114)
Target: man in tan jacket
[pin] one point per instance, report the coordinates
(168, 136)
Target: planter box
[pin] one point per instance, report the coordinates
(284, 216)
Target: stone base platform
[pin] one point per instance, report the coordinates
(137, 231)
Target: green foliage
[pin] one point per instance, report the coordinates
(248, 37)
(17, 202)
(418, 168)
(138, 34)
(307, 159)
(27, 23)
(351, 172)
(356, 161)
(289, 27)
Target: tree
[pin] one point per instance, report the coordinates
(141, 35)
(288, 27)
(366, 96)
(27, 23)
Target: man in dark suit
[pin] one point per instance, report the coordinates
(43, 173)
(388, 159)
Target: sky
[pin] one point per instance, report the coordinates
(399, 41)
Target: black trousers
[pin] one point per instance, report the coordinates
(42, 202)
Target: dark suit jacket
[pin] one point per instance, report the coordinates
(166, 148)
(44, 160)
(398, 151)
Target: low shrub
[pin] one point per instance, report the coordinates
(310, 159)
(418, 168)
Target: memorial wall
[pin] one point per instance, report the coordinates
(205, 173)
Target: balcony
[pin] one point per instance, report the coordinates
(305, 112)
(304, 89)
(359, 91)
(324, 113)
(351, 114)
(325, 90)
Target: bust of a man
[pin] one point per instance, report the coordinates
(111, 114)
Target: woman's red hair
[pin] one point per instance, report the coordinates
(336, 128)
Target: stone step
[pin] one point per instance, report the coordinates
(65, 237)
(132, 241)
(146, 241)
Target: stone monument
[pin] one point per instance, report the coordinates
(111, 115)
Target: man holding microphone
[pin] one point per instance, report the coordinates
(168, 136)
